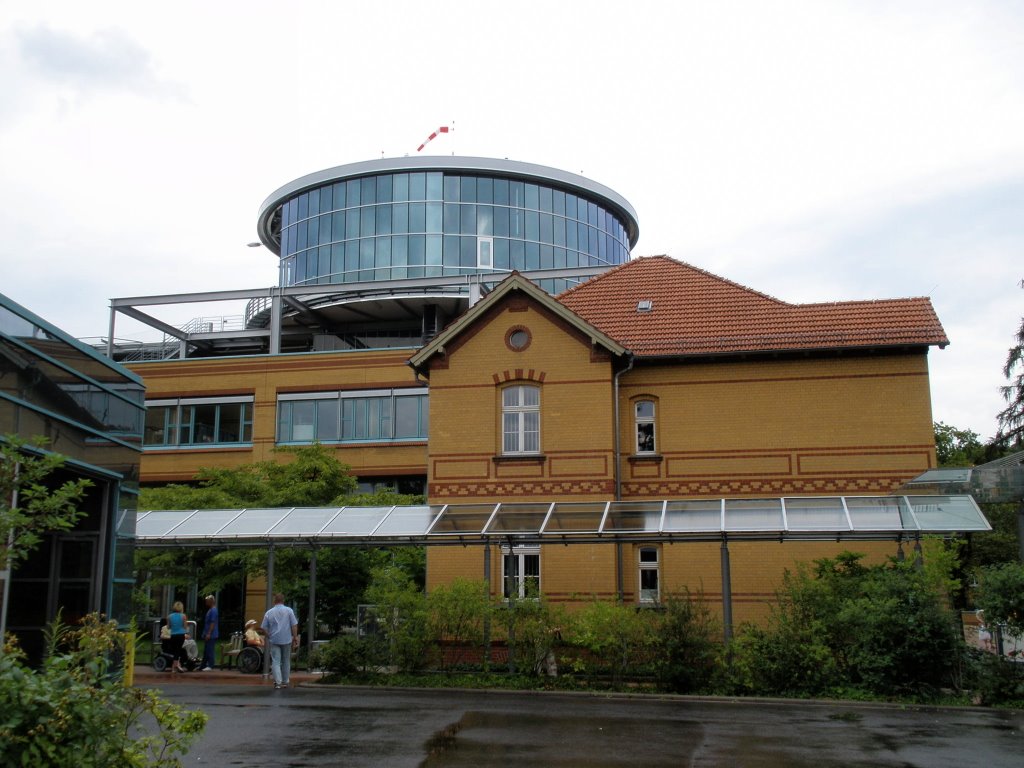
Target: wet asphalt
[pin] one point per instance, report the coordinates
(314, 725)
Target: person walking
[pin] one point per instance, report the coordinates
(282, 631)
(211, 625)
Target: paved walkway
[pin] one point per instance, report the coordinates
(146, 675)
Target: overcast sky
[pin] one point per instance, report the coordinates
(815, 151)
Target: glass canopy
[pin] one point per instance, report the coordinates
(798, 517)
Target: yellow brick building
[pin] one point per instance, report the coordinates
(658, 380)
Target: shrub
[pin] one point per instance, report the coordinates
(533, 628)
(456, 616)
(348, 655)
(686, 648)
(617, 637)
(400, 611)
(75, 710)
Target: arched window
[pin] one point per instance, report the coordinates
(520, 419)
(645, 432)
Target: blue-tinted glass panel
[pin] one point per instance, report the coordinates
(451, 217)
(325, 228)
(400, 218)
(545, 199)
(434, 182)
(434, 217)
(366, 258)
(484, 220)
(399, 256)
(313, 231)
(367, 221)
(452, 188)
(352, 224)
(532, 225)
(303, 206)
(314, 202)
(384, 188)
(532, 197)
(417, 186)
(383, 219)
(501, 254)
(500, 221)
(368, 190)
(339, 195)
(417, 217)
(468, 215)
(401, 187)
(467, 192)
(352, 193)
(485, 190)
(501, 191)
(433, 257)
(338, 225)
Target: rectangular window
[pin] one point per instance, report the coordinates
(520, 572)
(520, 413)
(484, 252)
(379, 415)
(198, 422)
(648, 561)
(645, 431)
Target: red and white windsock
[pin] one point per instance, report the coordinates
(431, 137)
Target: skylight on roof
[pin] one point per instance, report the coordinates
(644, 305)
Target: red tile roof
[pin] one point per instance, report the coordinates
(697, 313)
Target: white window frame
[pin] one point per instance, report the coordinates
(514, 441)
(646, 567)
(518, 555)
(639, 421)
(485, 252)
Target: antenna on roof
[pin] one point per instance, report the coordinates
(434, 135)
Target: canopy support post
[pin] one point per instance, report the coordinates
(311, 620)
(726, 592)
(270, 602)
(487, 614)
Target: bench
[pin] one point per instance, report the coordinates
(230, 655)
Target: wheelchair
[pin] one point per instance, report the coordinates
(250, 660)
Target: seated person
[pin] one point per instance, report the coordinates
(252, 636)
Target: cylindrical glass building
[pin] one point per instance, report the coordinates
(421, 217)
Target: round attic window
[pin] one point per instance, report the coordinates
(518, 338)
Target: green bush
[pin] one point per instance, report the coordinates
(401, 614)
(533, 631)
(883, 630)
(76, 711)
(617, 638)
(686, 646)
(348, 655)
(456, 616)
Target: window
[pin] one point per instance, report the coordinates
(645, 426)
(198, 422)
(331, 417)
(648, 557)
(520, 571)
(520, 416)
(484, 257)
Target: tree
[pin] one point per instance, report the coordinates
(1011, 418)
(957, 447)
(31, 504)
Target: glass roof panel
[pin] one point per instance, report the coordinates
(576, 517)
(356, 521)
(463, 519)
(753, 515)
(160, 522)
(253, 522)
(877, 513)
(519, 518)
(409, 521)
(948, 513)
(206, 522)
(304, 521)
(697, 515)
(634, 516)
(815, 513)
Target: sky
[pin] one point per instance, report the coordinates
(814, 151)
